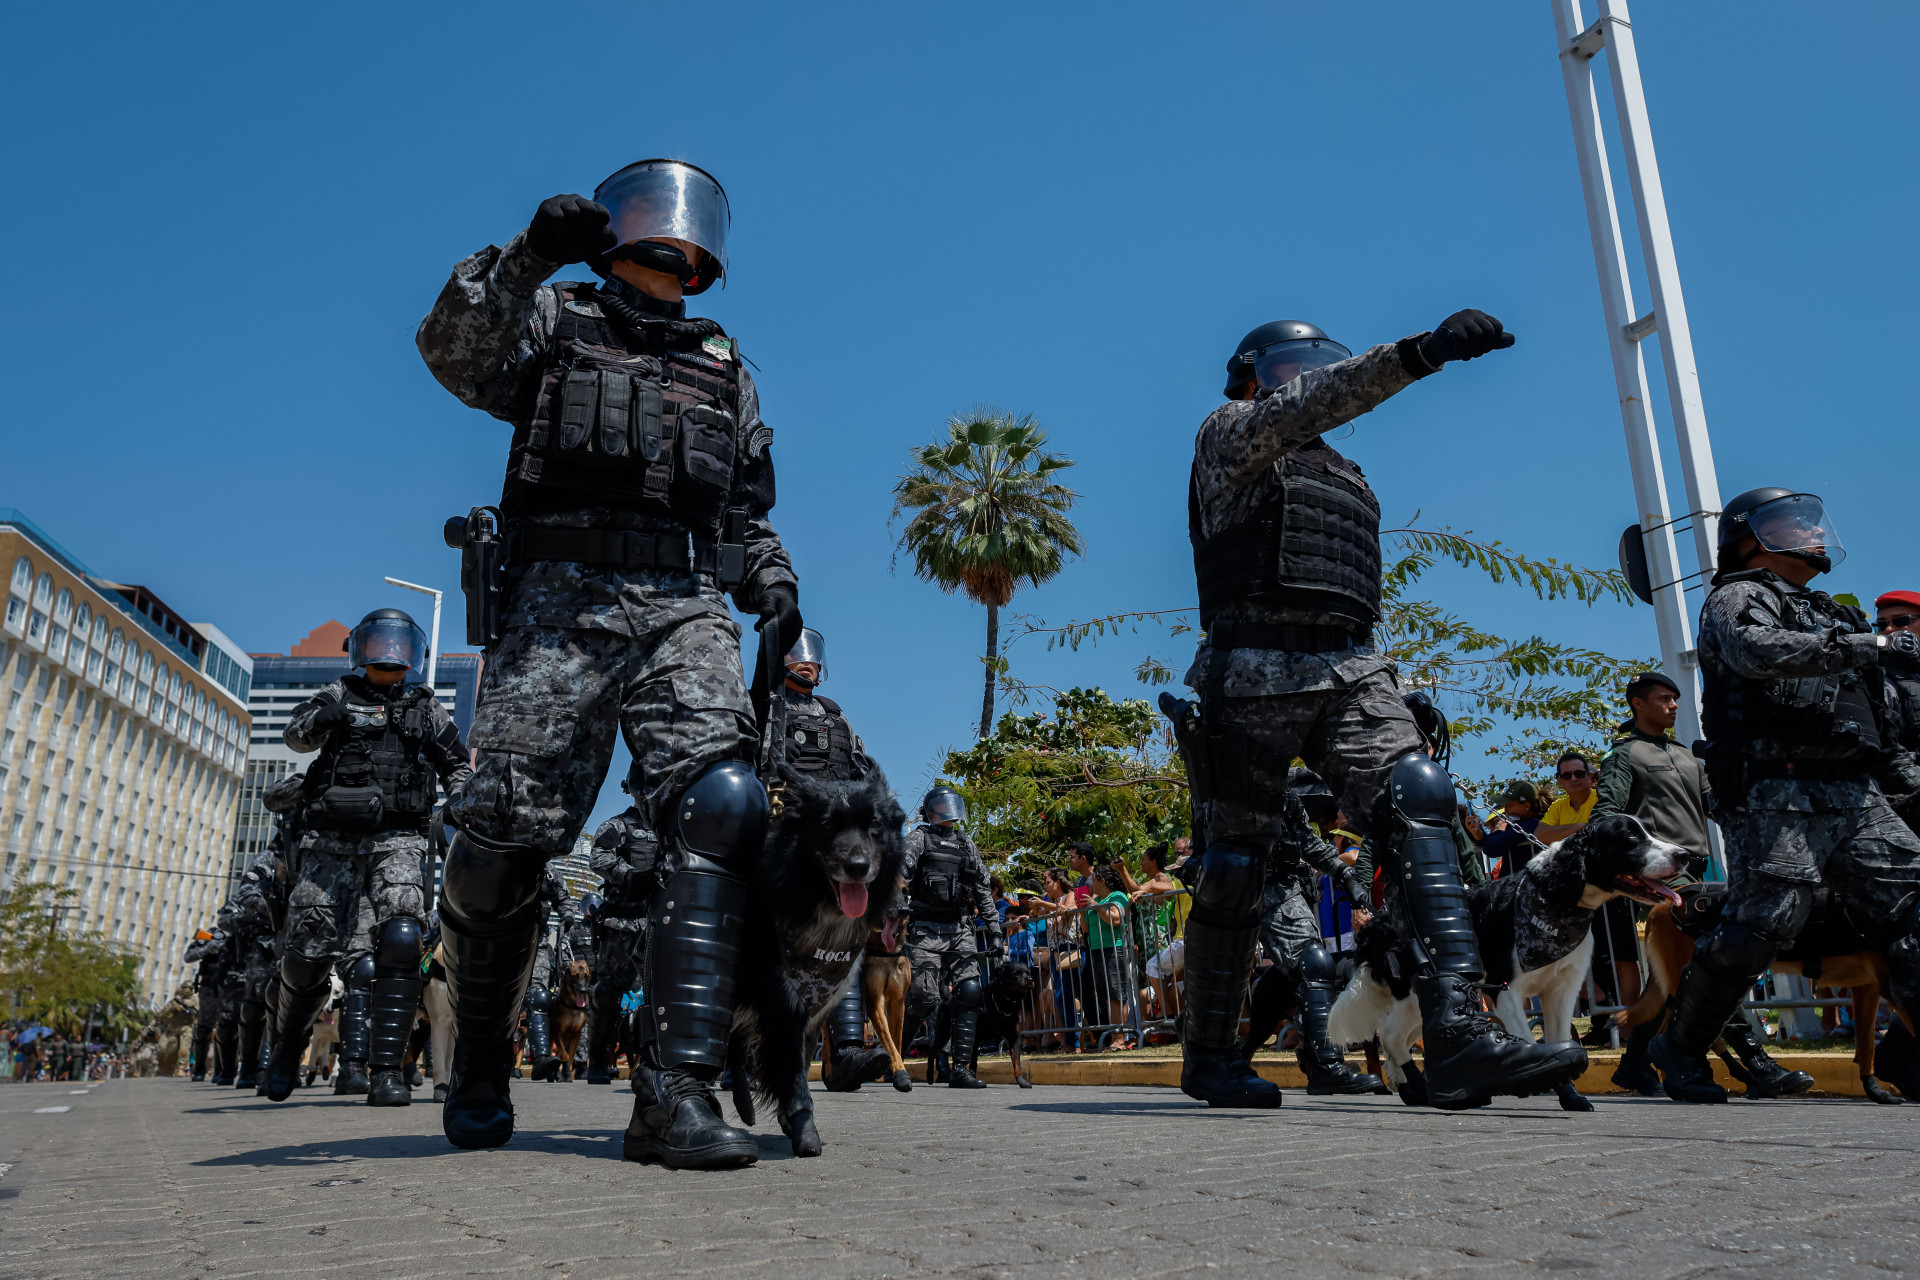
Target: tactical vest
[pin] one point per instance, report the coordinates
(1903, 699)
(643, 419)
(1816, 718)
(938, 894)
(1312, 546)
(372, 776)
(821, 744)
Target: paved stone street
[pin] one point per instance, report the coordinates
(165, 1178)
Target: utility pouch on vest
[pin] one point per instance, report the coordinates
(648, 410)
(348, 809)
(479, 537)
(703, 465)
(730, 561)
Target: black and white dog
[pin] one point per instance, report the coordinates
(1536, 939)
(827, 876)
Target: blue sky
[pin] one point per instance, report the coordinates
(223, 223)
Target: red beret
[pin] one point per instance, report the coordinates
(1909, 598)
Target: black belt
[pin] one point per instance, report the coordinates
(612, 548)
(1809, 770)
(1288, 636)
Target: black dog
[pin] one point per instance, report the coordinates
(826, 877)
(1008, 991)
(1535, 928)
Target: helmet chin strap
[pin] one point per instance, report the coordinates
(794, 677)
(1821, 562)
(655, 256)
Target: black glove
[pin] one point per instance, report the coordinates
(570, 229)
(780, 618)
(1904, 643)
(1464, 335)
(330, 716)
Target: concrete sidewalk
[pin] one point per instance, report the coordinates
(168, 1178)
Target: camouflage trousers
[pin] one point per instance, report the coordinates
(619, 957)
(942, 955)
(346, 885)
(553, 697)
(1350, 733)
(1854, 843)
(1290, 923)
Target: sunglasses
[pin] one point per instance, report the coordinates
(1897, 620)
(1573, 773)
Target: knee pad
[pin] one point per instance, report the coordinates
(398, 946)
(722, 818)
(1317, 966)
(1232, 875)
(539, 999)
(1735, 951)
(359, 974)
(488, 884)
(968, 995)
(1420, 791)
(304, 973)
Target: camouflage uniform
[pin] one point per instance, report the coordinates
(211, 955)
(944, 954)
(347, 884)
(1290, 904)
(555, 902)
(624, 855)
(1785, 836)
(588, 650)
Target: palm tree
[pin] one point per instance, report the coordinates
(987, 516)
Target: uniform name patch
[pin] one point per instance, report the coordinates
(717, 347)
(832, 957)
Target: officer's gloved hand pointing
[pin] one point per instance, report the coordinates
(1464, 335)
(570, 229)
(329, 717)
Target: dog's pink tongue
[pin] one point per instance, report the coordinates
(853, 899)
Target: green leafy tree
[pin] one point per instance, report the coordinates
(988, 516)
(61, 976)
(1089, 769)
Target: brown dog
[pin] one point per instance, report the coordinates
(1669, 948)
(570, 1014)
(888, 974)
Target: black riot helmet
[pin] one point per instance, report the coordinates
(654, 200)
(388, 638)
(590, 907)
(943, 804)
(1278, 352)
(1781, 521)
(810, 647)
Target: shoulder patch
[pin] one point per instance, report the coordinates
(759, 440)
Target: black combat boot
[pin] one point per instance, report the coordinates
(541, 1064)
(394, 1004)
(1327, 1071)
(1213, 1069)
(1897, 1058)
(351, 1078)
(198, 1050)
(253, 1017)
(1635, 1073)
(966, 1029)
(853, 1063)
(487, 980)
(693, 958)
(1763, 1077)
(1701, 1008)
(1469, 1058)
(293, 1017)
(226, 1043)
(603, 1032)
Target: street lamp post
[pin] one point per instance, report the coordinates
(433, 644)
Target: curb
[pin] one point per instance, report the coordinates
(1833, 1073)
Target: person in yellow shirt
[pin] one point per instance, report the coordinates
(1614, 936)
(1569, 812)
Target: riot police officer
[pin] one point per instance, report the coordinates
(947, 885)
(553, 902)
(625, 856)
(383, 744)
(263, 895)
(210, 951)
(1799, 742)
(637, 491)
(1286, 548)
(1303, 974)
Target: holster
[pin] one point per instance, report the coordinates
(1726, 774)
(480, 537)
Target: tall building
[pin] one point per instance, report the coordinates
(282, 682)
(121, 750)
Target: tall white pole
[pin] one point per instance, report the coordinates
(433, 644)
(1579, 44)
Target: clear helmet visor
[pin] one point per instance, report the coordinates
(1796, 523)
(668, 200)
(388, 642)
(810, 647)
(1274, 367)
(944, 805)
